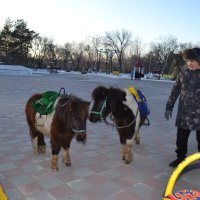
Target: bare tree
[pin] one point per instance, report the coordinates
(89, 56)
(39, 50)
(76, 56)
(136, 47)
(183, 46)
(66, 55)
(162, 49)
(117, 42)
(96, 45)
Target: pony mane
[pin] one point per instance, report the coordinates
(69, 104)
(116, 98)
(117, 94)
(100, 93)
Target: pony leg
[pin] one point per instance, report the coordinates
(38, 142)
(128, 153)
(66, 157)
(137, 137)
(35, 145)
(54, 162)
(41, 144)
(55, 149)
(123, 152)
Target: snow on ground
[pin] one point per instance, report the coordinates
(21, 70)
(14, 70)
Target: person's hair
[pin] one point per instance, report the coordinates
(192, 54)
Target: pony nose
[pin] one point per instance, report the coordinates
(81, 137)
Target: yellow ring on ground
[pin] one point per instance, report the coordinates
(2, 194)
(178, 170)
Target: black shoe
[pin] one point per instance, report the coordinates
(176, 162)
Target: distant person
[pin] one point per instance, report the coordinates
(137, 75)
(132, 72)
(187, 88)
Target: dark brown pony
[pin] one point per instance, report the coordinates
(67, 120)
(125, 113)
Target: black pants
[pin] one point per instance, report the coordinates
(182, 141)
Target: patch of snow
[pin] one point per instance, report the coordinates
(14, 70)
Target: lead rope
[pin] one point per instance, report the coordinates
(125, 126)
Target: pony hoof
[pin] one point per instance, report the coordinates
(137, 142)
(54, 169)
(42, 149)
(68, 164)
(127, 161)
(36, 151)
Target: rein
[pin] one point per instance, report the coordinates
(125, 126)
(64, 104)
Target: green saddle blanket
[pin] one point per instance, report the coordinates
(45, 105)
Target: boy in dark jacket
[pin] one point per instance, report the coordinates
(187, 88)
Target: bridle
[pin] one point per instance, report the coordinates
(108, 123)
(101, 110)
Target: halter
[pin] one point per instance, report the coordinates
(78, 131)
(101, 111)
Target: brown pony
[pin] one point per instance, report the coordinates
(125, 113)
(67, 120)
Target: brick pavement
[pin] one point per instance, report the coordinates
(97, 172)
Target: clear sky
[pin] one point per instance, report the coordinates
(74, 20)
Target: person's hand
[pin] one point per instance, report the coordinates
(168, 114)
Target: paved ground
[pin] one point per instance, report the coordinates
(97, 172)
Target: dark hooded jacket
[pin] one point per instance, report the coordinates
(187, 88)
